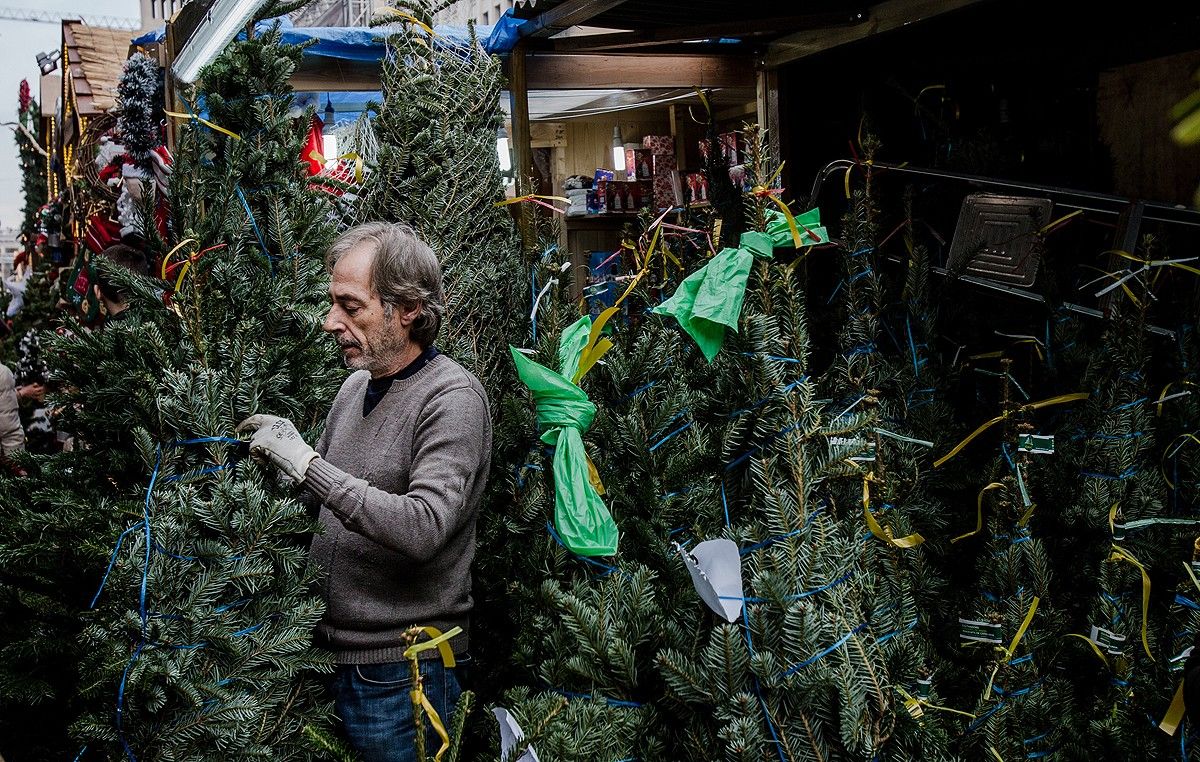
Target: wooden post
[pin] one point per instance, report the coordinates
(767, 96)
(518, 94)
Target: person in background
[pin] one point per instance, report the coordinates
(114, 299)
(12, 436)
(35, 416)
(399, 473)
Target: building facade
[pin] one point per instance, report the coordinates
(479, 11)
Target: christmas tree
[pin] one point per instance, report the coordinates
(196, 638)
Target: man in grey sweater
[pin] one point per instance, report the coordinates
(399, 472)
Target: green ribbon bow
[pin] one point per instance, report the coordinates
(565, 412)
(710, 299)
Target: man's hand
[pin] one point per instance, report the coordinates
(33, 391)
(277, 442)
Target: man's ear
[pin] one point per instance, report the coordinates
(407, 316)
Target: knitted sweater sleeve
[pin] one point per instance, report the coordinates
(448, 458)
(12, 436)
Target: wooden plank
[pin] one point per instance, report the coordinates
(333, 75)
(768, 112)
(739, 28)
(518, 96)
(564, 16)
(619, 71)
(884, 17)
(547, 134)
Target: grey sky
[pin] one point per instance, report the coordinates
(20, 42)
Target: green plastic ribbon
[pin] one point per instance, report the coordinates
(564, 413)
(710, 299)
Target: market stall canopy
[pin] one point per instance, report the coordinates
(365, 44)
(95, 56)
(781, 30)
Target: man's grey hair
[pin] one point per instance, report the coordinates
(405, 273)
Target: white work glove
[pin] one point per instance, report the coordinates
(276, 441)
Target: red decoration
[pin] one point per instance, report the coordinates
(314, 147)
(101, 233)
(24, 97)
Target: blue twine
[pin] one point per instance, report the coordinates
(859, 275)
(725, 504)
(198, 474)
(983, 718)
(1022, 659)
(894, 633)
(765, 400)
(758, 686)
(793, 597)
(1127, 473)
(865, 348)
(1136, 402)
(254, 224)
(863, 250)
(638, 390)
(1182, 601)
(1035, 739)
(80, 754)
(203, 440)
(913, 347)
(610, 702)
(1040, 754)
(1020, 692)
(776, 358)
(664, 440)
(744, 456)
(1129, 435)
(769, 541)
(1049, 358)
(607, 569)
(816, 657)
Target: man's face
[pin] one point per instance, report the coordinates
(370, 339)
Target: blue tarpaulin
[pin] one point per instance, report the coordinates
(366, 43)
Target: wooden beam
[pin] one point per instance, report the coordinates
(565, 15)
(619, 71)
(336, 75)
(883, 17)
(518, 98)
(767, 102)
(739, 28)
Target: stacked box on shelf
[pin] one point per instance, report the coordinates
(662, 148)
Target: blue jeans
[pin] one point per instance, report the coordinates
(374, 705)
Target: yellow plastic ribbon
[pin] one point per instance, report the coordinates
(410, 19)
(1124, 286)
(914, 705)
(166, 260)
(1007, 653)
(317, 156)
(437, 640)
(538, 199)
(1061, 220)
(883, 533)
(1060, 399)
(1120, 554)
(596, 345)
(1192, 575)
(995, 753)
(1012, 647)
(204, 122)
(1170, 451)
(979, 509)
(1170, 723)
(1163, 395)
(1091, 643)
